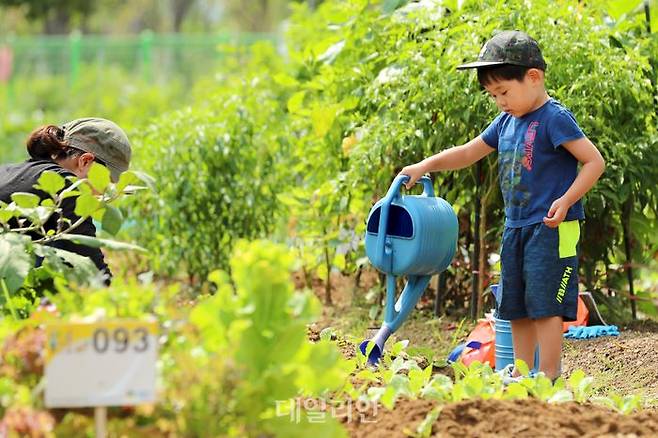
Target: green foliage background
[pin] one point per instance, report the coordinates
(368, 87)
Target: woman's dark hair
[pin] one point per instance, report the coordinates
(47, 143)
(506, 72)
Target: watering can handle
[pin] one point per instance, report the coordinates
(393, 193)
(394, 190)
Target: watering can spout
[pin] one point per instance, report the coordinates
(378, 348)
(396, 313)
(413, 236)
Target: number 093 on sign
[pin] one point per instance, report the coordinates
(109, 363)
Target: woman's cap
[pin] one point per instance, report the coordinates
(104, 139)
(510, 47)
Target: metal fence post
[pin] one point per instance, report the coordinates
(146, 46)
(9, 55)
(75, 44)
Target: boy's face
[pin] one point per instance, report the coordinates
(517, 98)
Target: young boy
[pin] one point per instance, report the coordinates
(539, 146)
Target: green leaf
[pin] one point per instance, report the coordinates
(99, 177)
(367, 375)
(375, 393)
(369, 346)
(330, 55)
(296, 102)
(95, 242)
(327, 334)
(473, 386)
(128, 179)
(86, 205)
(285, 80)
(388, 398)
(516, 391)
(580, 384)
(522, 367)
(618, 8)
(391, 5)
(25, 200)
(561, 396)
(79, 268)
(6, 215)
(417, 381)
(51, 182)
(15, 260)
(323, 118)
(424, 429)
(112, 220)
(399, 346)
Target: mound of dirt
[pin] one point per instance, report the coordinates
(533, 418)
(346, 348)
(624, 364)
(505, 418)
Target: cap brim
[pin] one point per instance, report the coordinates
(115, 173)
(480, 64)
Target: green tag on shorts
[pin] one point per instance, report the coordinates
(569, 233)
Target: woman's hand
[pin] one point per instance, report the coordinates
(414, 172)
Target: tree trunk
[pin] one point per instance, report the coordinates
(327, 285)
(626, 225)
(475, 261)
(482, 253)
(440, 292)
(57, 23)
(180, 8)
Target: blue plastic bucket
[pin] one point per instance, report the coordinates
(505, 347)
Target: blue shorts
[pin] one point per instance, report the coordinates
(539, 275)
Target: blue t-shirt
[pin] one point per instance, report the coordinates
(533, 169)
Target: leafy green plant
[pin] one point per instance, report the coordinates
(424, 429)
(395, 378)
(581, 385)
(625, 404)
(215, 173)
(252, 338)
(399, 62)
(24, 234)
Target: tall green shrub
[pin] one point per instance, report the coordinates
(400, 62)
(214, 167)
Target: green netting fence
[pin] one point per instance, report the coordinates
(158, 57)
(50, 79)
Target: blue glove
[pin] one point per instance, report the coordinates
(594, 331)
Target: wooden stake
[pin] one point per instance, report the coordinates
(100, 419)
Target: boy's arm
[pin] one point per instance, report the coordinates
(454, 158)
(593, 166)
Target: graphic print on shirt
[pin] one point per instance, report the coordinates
(529, 145)
(512, 161)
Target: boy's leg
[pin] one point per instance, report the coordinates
(551, 273)
(524, 338)
(512, 305)
(549, 335)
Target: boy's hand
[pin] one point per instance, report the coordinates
(557, 212)
(414, 172)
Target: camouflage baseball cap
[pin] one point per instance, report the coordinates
(102, 138)
(509, 47)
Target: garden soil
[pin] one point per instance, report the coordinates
(504, 418)
(623, 364)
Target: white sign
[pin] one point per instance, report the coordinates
(109, 363)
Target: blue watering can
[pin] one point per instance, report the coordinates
(414, 236)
